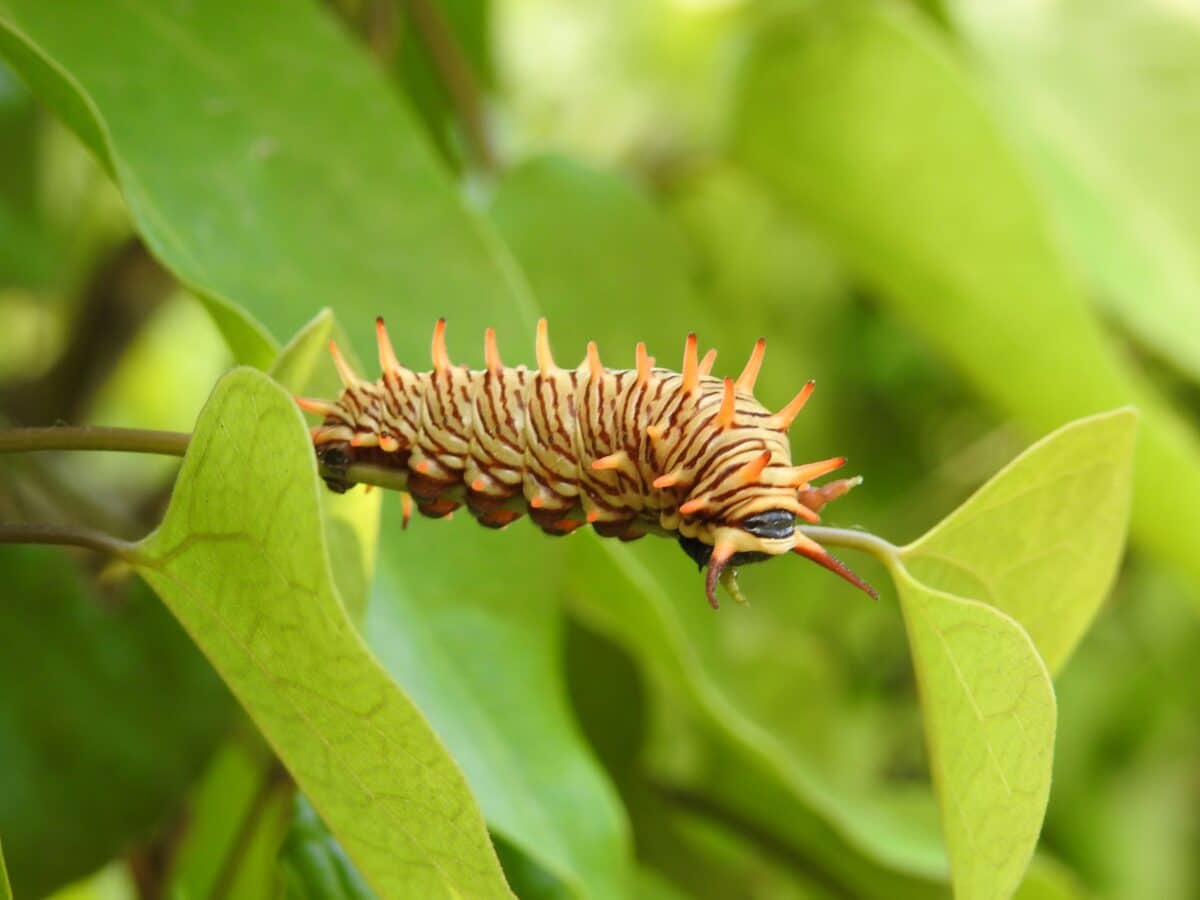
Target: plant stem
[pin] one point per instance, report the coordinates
(174, 443)
(65, 535)
(454, 70)
(883, 550)
(91, 437)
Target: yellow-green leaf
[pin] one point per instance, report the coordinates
(241, 560)
(861, 118)
(1042, 539)
(989, 712)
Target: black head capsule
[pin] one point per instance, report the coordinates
(774, 524)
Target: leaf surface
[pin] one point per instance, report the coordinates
(263, 157)
(865, 123)
(107, 713)
(1101, 97)
(240, 559)
(989, 712)
(1041, 540)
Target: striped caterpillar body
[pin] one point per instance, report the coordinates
(628, 451)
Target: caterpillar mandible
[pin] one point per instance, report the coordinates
(628, 451)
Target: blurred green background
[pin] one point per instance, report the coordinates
(969, 221)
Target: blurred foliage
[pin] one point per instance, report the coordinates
(970, 222)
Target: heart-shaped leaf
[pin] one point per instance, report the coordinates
(989, 712)
(241, 560)
(1042, 539)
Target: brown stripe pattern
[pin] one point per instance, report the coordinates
(628, 451)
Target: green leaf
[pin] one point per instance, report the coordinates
(606, 264)
(351, 519)
(1113, 144)
(281, 170)
(313, 863)
(237, 815)
(1042, 539)
(278, 170)
(467, 619)
(5, 887)
(240, 559)
(943, 220)
(107, 714)
(989, 712)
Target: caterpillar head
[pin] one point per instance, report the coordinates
(759, 537)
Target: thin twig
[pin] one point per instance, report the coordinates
(92, 437)
(65, 535)
(456, 76)
(883, 550)
(173, 443)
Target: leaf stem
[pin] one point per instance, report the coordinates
(65, 535)
(174, 443)
(92, 437)
(883, 550)
(462, 88)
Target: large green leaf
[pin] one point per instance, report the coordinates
(1102, 96)
(467, 620)
(351, 519)
(988, 706)
(1041, 541)
(241, 560)
(606, 264)
(279, 170)
(5, 887)
(862, 121)
(107, 713)
(264, 159)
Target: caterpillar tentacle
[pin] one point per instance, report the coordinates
(628, 451)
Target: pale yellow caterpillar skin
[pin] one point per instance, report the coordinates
(628, 451)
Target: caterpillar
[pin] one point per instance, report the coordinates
(628, 451)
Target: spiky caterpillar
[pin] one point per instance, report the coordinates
(628, 451)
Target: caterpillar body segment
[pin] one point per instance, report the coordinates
(628, 451)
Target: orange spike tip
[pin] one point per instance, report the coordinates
(595, 367)
(441, 358)
(810, 549)
(612, 461)
(691, 368)
(662, 482)
(802, 475)
(406, 507)
(593, 515)
(348, 376)
(805, 513)
(819, 496)
(388, 444)
(545, 359)
(317, 407)
(323, 434)
(491, 353)
(644, 364)
(745, 381)
(478, 485)
(750, 472)
(783, 419)
(725, 413)
(706, 364)
(387, 355)
(537, 502)
(655, 432)
(693, 506)
(422, 467)
(365, 440)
